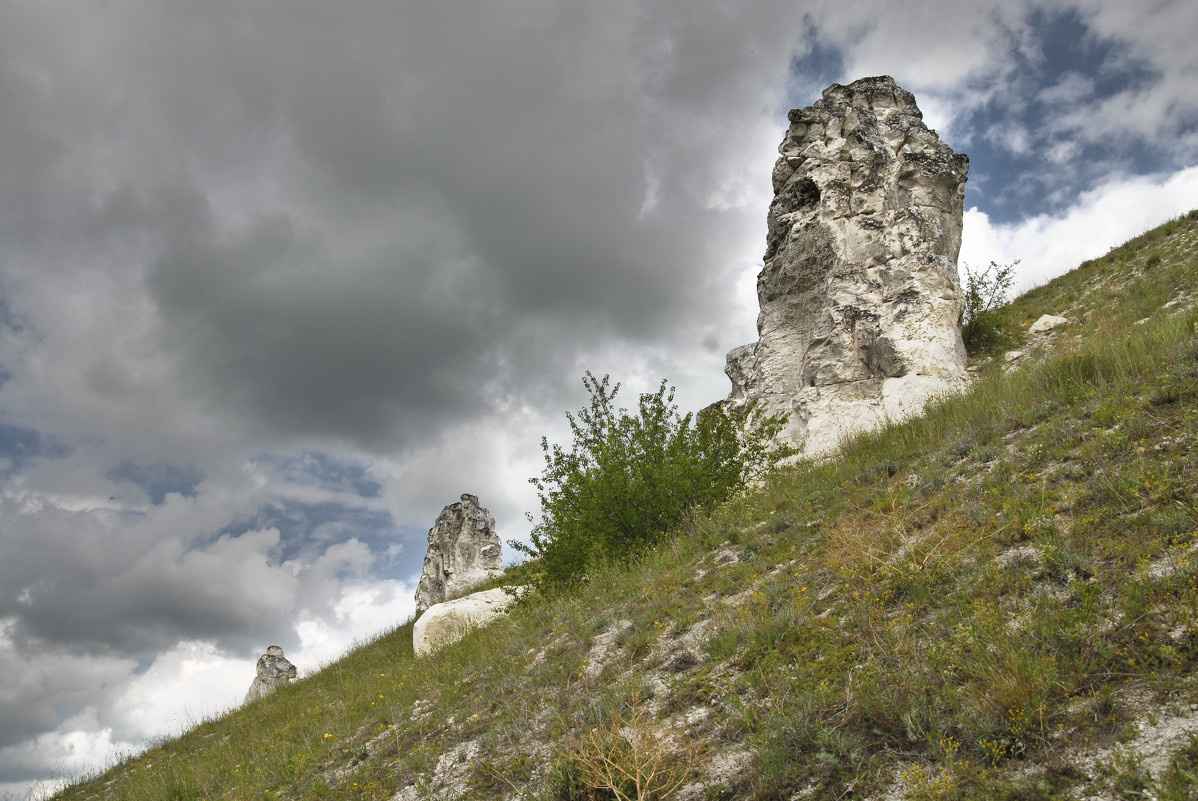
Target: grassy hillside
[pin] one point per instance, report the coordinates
(995, 601)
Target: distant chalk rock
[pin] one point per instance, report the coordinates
(1047, 322)
(449, 621)
(274, 671)
(463, 552)
(859, 294)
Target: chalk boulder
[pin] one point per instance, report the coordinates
(449, 621)
(860, 299)
(1046, 323)
(274, 671)
(463, 552)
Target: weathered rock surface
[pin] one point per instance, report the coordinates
(463, 552)
(449, 621)
(860, 297)
(274, 671)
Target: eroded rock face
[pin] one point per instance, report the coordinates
(274, 671)
(860, 297)
(463, 551)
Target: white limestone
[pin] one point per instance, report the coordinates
(273, 671)
(463, 551)
(449, 621)
(1047, 322)
(860, 297)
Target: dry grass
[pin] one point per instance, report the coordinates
(629, 759)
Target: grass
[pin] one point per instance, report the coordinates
(980, 603)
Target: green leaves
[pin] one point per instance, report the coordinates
(985, 293)
(629, 478)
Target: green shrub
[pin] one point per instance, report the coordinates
(983, 328)
(628, 479)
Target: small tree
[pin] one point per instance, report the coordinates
(628, 479)
(986, 290)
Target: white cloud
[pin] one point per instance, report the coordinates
(935, 46)
(184, 686)
(364, 611)
(1073, 87)
(1100, 219)
(1063, 152)
(75, 751)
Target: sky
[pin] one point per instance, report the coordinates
(280, 279)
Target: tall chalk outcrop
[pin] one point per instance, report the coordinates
(463, 551)
(860, 297)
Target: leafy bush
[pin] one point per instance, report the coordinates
(629, 478)
(982, 327)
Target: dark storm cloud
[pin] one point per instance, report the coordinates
(129, 590)
(350, 239)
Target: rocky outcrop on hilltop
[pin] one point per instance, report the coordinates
(463, 551)
(860, 297)
(273, 671)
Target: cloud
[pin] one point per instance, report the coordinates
(365, 609)
(1072, 87)
(46, 763)
(1052, 97)
(44, 682)
(183, 686)
(352, 265)
(1101, 218)
(76, 570)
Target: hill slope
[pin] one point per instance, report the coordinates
(995, 601)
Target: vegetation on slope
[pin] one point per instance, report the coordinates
(629, 479)
(997, 600)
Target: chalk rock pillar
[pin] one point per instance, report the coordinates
(274, 671)
(859, 294)
(463, 552)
